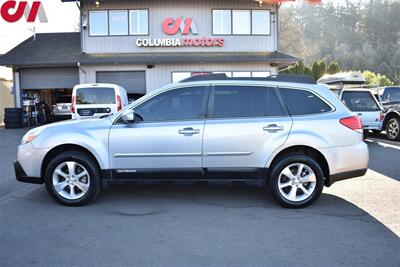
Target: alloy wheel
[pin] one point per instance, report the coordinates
(297, 182)
(393, 129)
(71, 180)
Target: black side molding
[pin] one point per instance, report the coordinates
(344, 176)
(22, 177)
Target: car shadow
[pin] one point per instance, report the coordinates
(215, 225)
(384, 159)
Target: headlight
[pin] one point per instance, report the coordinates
(30, 136)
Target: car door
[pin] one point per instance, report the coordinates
(364, 104)
(244, 125)
(167, 140)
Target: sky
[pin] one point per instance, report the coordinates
(62, 17)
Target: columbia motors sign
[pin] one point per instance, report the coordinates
(13, 11)
(186, 26)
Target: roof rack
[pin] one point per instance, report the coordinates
(290, 78)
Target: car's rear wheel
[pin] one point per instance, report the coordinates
(296, 180)
(73, 178)
(393, 129)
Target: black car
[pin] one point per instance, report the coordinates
(390, 99)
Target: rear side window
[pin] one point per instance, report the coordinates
(95, 95)
(302, 102)
(245, 101)
(360, 101)
(391, 94)
(177, 104)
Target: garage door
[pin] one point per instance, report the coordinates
(49, 78)
(134, 82)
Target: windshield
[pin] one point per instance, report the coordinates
(63, 99)
(360, 101)
(95, 95)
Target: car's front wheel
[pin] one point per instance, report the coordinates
(296, 180)
(73, 178)
(393, 129)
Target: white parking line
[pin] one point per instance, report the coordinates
(384, 143)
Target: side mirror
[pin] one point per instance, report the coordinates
(128, 116)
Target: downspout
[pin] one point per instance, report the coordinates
(277, 6)
(82, 39)
(80, 23)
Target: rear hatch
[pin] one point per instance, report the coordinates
(62, 106)
(363, 104)
(95, 102)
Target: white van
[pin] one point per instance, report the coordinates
(95, 100)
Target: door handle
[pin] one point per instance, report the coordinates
(273, 128)
(189, 131)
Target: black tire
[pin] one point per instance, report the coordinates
(285, 161)
(390, 133)
(13, 117)
(12, 111)
(91, 167)
(13, 125)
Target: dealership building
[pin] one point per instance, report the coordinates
(145, 44)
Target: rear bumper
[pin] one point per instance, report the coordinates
(344, 176)
(22, 177)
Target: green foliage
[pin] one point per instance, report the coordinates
(376, 79)
(362, 35)
(333, 68)
(317, 69)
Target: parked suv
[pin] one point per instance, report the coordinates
(363, 103)
(390, 99)
(292, 135)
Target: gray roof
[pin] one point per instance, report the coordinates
(63, 49)
(49, 49)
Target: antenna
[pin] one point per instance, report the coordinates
(33, 30)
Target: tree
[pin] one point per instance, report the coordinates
(318, 69)
(333, 68)
(376, 79)
(361, 35)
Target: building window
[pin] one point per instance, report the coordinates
(241, 20)
(260, 74)
(260, 22)
(118, 22)
(222, 20)
(241, 74)
(179, 76)
(98, 21)
(139, 22)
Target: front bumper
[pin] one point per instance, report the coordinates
(344, 176)
(22, 177)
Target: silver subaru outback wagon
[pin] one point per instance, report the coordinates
(289, 133)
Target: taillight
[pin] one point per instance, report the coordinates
(353, 123)
(73, 104)
(119, 103)
(382, 117)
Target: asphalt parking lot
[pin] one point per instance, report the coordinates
(354, 223)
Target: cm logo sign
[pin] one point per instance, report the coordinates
(12, 11)
(172, 26)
